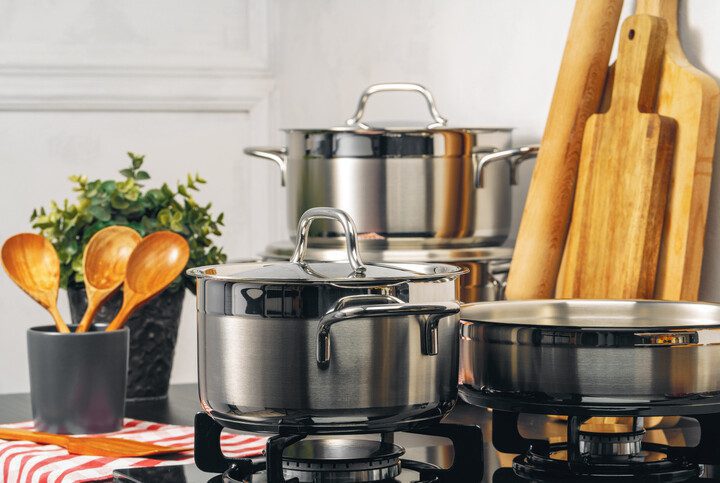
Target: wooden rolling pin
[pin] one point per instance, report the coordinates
(578, 91)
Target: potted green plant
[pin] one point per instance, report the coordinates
(100, 203)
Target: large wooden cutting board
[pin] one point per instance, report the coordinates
(692, 98)
(614, 238)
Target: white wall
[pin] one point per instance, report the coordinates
(191, 83)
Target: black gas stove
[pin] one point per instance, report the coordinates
(517, 448)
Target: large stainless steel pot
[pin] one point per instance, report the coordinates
(591, 352)
(327, 347)
(433, 182)
(484, 281)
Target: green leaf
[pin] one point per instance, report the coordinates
(127, 172)
(137, 161)
(141, 175)
(100, 212)
(108, 186)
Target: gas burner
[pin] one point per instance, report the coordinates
(605, 441)
(551, 463)
(289, 458)
(347, 460)
(334, 461)
(595, 451)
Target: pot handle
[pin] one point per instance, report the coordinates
(355, 120)
(513, 156)
(350, 235)
(345, 309)
(276, 155)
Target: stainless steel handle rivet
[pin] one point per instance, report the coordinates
(355, 120)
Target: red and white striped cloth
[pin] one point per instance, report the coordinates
(26, 462)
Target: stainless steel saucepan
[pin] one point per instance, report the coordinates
(598, 352)
(328, 346)
(433, 182)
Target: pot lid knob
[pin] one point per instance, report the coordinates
(350, 236)
(355, 120)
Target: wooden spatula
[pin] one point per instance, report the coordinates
(110, 447)
(614, 239)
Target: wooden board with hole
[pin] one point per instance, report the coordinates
(614, 238)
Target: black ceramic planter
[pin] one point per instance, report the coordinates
(153, 334)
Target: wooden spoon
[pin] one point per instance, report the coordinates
(104, 262)
(32, 263)
(92, 446)
(157, 260)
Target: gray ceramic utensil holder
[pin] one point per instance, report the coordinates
(77, 381)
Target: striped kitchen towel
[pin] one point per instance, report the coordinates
(23, 461)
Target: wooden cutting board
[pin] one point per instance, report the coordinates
(578, 91)
(692, 98)
(614, 237)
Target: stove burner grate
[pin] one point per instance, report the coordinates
(551, 463)
(290, 458)
(593, 453)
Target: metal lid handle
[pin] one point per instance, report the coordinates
(350, 235)
(397, 87)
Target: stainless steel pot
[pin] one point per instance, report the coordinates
(433, 182)
(327, 347)
(484, 281)
(597, 352)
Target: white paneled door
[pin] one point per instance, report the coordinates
(186, 83)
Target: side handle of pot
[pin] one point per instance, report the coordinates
(512, 156)
(276, 155)
(378, 306)
(498, 271)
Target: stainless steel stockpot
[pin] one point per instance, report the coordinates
(327, 347)
(433, 182)
(603, 352)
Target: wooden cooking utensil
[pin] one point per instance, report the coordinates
(692, 98)
(614, 238)
(32, 263)
(92, 446)
(104, 262)
(546, 216)
(156, 261)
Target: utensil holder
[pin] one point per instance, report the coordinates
(77, 381)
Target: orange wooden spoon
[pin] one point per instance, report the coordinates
(32, 263)
(104, 263)
(92, 446)
(157, 260)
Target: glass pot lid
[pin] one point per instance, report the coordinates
(354, 271)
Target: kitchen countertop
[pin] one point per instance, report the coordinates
(179, 408)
